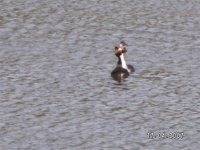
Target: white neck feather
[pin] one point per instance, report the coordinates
(124, 65)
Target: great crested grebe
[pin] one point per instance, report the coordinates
(122, 70)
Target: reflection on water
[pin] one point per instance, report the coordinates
(56, 90)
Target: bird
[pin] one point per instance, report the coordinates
(122, 70)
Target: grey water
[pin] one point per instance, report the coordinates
(56, 92)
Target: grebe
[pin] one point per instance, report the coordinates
(123, 46)
(121, 70)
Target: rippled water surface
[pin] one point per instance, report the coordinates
(55, 86)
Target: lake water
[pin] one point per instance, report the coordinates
(56, 92)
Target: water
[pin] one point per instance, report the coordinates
(55, 84)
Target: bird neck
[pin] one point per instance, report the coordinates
(119, 63)
(123, 62)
